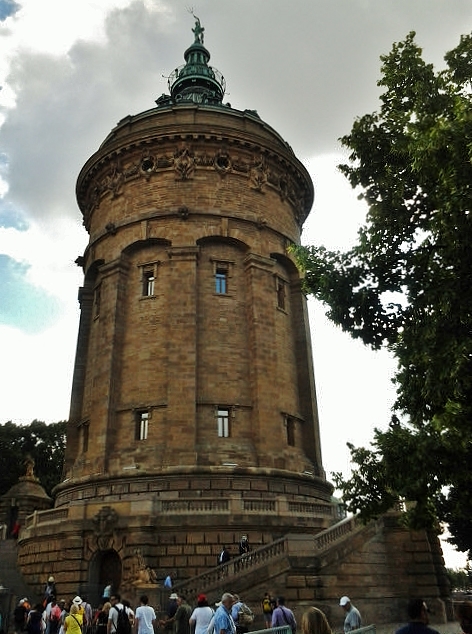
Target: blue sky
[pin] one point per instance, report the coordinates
(7, 8)
(71, 69)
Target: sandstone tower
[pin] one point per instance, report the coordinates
(193, 414)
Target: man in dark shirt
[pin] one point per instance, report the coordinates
(419, 619)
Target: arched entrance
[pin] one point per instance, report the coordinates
(104, 568)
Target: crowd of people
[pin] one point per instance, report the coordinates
(230, 615)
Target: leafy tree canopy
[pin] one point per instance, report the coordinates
(407, 285)
(44, 443)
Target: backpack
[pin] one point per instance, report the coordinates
(245, 615)
(19, 614)
(266, 606)
(211, 624)
(123, 624)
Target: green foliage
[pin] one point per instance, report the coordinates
(407, 285)
(459, 579)
(44, 443)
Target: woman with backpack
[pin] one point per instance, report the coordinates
(34, 622)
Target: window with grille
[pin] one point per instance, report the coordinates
(223, 422)
(142, 425)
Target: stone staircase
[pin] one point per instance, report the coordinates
(269, 561)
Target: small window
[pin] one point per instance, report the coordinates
(148, 278)
(142, 425)
(221, 280)
(97, 296)
(149, 281)
(85, 437)
(222, 273)
(281, 293)
(223, 422)
(290, 423)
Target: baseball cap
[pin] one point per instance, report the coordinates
(344, 601)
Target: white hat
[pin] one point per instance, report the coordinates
(77, 600)
(174, 595)
(344, 601)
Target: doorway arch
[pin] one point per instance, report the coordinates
(105, 568)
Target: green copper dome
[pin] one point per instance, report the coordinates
(195, 81)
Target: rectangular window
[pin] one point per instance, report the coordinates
(142, 425)
(85, 437)
(223, 422)
(149, 281)
(97, 296)
(222, 273)
(281, 292)
(221, 281)
(290, 422)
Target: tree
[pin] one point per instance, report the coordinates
(458, 579)
(44, 443)
(407, 285)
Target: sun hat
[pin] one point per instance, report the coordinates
(77, 600)
(174, 595)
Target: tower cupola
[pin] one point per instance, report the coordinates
(196, 81)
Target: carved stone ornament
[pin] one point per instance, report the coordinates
(184, 164)
(142, 573)
(258, 175)
(114, 180)
(104, 525)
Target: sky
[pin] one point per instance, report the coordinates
(69, 71)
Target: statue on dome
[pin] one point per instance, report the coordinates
(198, 30)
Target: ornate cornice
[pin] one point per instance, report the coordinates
(263, 168)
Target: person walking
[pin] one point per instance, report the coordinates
(267, 609)
(144, 617)
(283, 616)
(74, 621)
(34, 621)
(353, 620)
(19, 617)
(223, 623)
(100, 620)
(224, 556)
(202, 615)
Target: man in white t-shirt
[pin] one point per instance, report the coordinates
(115, 601)
(145, 617)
